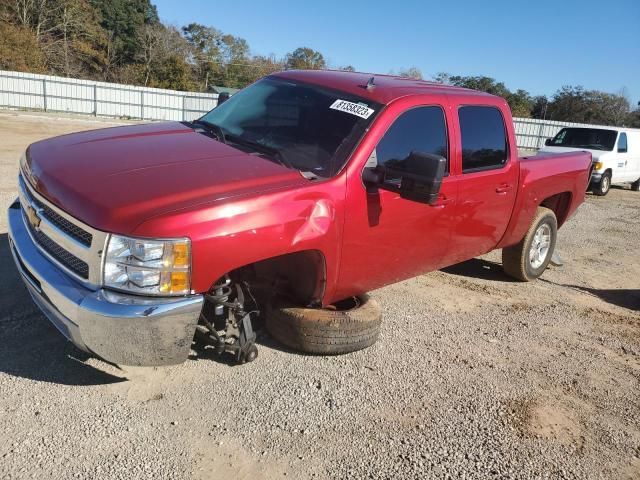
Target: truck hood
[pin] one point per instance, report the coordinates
(595, 154)
(114, 179)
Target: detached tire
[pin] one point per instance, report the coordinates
(602, 187)
(528, 259)
(353, 325)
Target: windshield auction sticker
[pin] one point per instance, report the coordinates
(357, 109)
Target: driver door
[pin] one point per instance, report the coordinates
(388, 238)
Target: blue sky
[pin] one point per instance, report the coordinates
(536, 45)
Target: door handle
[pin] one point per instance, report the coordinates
(502, 189)
(442, 201)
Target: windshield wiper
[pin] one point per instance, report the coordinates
(261, 148)
(213, 128)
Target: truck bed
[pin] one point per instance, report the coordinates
(558, 180)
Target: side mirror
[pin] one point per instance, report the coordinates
(223, 97)
(418, 177)
(547, 142)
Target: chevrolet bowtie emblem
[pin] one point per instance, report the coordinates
(32, 216)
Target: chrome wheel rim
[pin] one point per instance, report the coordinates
(540, 246)
(604, 184)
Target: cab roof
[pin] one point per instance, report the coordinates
(387, 87)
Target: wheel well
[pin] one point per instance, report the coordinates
(300, 276)
(559, 203)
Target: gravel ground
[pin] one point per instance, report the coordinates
(474, 376)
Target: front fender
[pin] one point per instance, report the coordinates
(228, 235)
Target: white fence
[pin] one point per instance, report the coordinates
(57, 94)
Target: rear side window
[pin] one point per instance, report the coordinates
(484, 138)
(421, 129)
(622, 143)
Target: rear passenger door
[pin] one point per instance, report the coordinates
(488, 170)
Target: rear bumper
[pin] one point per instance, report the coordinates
(122, 329)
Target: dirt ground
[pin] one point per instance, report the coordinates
(474, 376)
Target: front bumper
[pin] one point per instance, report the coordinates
(122, 329)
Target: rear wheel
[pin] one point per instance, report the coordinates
(347, 326)
(602, 187)
(528, 259)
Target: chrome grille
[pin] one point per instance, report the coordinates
(73, 245)
(65, 225)
(68, 259)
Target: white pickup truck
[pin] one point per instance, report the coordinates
(615, 152)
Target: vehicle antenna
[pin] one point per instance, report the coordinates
(370, 84)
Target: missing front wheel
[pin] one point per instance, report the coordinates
(226, 321)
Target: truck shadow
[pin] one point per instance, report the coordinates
(625, 298)
(481, 269)
(31, 347)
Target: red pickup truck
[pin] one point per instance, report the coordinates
(284, 204)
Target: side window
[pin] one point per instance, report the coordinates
(622, 143)
(484, 138)
(421, 129)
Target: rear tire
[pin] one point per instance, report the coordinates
(602, 187)
(528, 259)
(635, 186)
(327, 331)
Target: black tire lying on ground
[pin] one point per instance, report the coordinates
(354, 324)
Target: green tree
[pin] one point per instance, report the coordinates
(207, 51)
(519, 101)
(305, 58)
(124, 21)
(633, 120)
(575, 104)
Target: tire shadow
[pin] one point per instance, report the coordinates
(32, 348)
(481, 269)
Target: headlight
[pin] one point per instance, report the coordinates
(148, 267)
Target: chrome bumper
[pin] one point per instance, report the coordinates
(122, 329)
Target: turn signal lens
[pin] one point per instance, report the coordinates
(180, 254)
(597, 165)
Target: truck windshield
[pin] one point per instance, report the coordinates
(590, 138)
(302, 126)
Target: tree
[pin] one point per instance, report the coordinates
(125, 20)
(519, 101)
(575, 104)
(633, 120)
(304, 58)
(412, 72)
(207, 52)
(540, 104)
(72, 40)
(19, 49)
(347, 68)
(164, 57)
